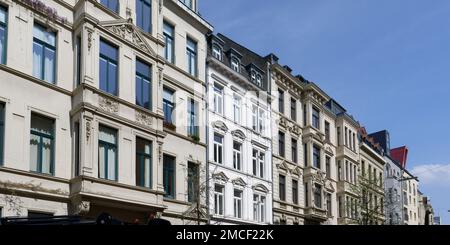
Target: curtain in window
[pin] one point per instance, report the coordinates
(34, 151)
(38, 50)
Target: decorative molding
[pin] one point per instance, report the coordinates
(239, 182)
(238, 134)
(49, 12)
(88, 129)
(260, 188)
(143, 118)
(89, 37)
(82, 207)
(129, 32)
(283, 166)
(220, 177)
(219, 125)
(108, 105)
(297, 171)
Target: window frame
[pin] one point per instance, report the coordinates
(282, 187)
(45, 46)
(140, 162)
(192, 111)
(238, 203)
(169, 105)
(218, 95)
(219, 200)
(192, 57)
(237, 155)
(169, 39)
(258, 163)
(315, 118)
(42, 136)
(2, 131)
(143, 78)
(108, 146)
(218, 149)
(108, 62)
(169, 169)
(107, 5)
(147, 3)
(5, 26)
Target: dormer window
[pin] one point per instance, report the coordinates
(217, 52)
(258, 80)
(235, 64)
(253, 75)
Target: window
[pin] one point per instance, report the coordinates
(218, 99)
(193, 182)
(282, 188)
(168, 105)
(108, 67)
(257, 119)
(44, 53)
(237, 155)
(304, 115)
(191, 54)
(305, 154)
(340, 177)
(281, 150)
(316, 118)
(193, 118)
(293, 109)
(280, 101)
(354, 137)
(188, 3)
(219, 200)
(346, 137)
(339, 136)
(237, 199)
(306, 194)
(169, 38)
(144, 163)
(2, 131)
(218, 148)
(144, 15)
(318, 196)
(76, 150)
(294, 150)
(259, 207)
(258, 81)
(237, 108)
(217, 52)
(143, 85)
(329, 204)
(111, 4)
(235, 64)
(340, 207)
(169, 176)
(42, 144)
(316, 157)
(253, 76)
(78, 60)
(328, 166)
(327, 130)
(295, 191)
(3, 33)
(107, 153)
(258, 160)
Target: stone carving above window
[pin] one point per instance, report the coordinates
(221, 126)
(126, 30)
(108, 105)
(143, 118)
(220, 178)
(260, 188)
(239, 182)
(238, 134)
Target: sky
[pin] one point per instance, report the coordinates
(387, 62)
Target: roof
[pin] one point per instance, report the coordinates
(383, 138)
(248, 58)
(400, 154)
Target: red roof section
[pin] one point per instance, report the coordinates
(400, 155)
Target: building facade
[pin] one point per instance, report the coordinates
(239, 141)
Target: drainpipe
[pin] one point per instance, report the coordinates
(208, 216)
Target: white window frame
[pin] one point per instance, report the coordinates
(237, 108)
(258, 161)
(219, 200)
(235, 64)
(218, 97)
(218, 146)
(217, 52)
(259, 207)
(238, 209)
(237, 155)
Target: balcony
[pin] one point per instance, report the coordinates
(316, 213)
(347, 187)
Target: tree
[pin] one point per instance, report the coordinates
(371, 200)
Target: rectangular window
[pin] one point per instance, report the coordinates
(295, 191)
(113, 5)
(236, 108)
(294, 150)
(306, 195)
(318, 196)
(237, 155)
(235, 64)
(293, 109)
(76, 150)
(144, 163)
(237, 199)
(346, 137)
(316, 118)
(191, 54)
(168, 105)
(107, 153)
(281, 101)
(218, 99)
(188, 3)
(143, 85)
(258, 160)
(144, 15)
(108, 67)
(328, 166)
(329, 205)
(42, 144)
(281, 150)
(169, 176)
(339, 136)
(304, 115)
(78, 48)
(340, 174)
(169, 38)
(327, 130)
(316, 157)
(261, 120)
(218, 148)
(2, 132)
(3, 33)
(219, 199)
(193, 182)
(259, 207)
(44, 53)
(193, 118)
(282, 186)
(258, 119)
(305, 154)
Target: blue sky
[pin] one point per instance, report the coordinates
(387, 62)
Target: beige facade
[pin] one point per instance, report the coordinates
(411, 199)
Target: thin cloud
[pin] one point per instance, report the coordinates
(433, 174)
